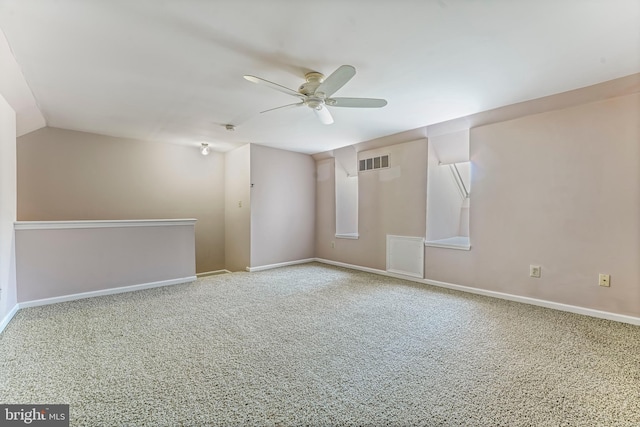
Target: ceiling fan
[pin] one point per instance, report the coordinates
(316, 93)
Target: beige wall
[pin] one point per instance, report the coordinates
(7, 208)
(561, 190)
(237, 219)
(69, 175)
(391, 201)
(282, 206)
(58, 262)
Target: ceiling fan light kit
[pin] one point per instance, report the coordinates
(316, 93)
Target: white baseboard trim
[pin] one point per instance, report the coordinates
(110, 291)
(541, 303)
(212, 273)
(494, 294)
(281, 264)
(8, 317)
(351, 266)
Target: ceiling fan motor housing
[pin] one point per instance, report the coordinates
(314, 80)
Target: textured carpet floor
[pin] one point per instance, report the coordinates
(320, 346)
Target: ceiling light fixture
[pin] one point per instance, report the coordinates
(230, 128)
(204, 149)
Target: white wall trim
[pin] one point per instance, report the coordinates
(212, 273)
(281, 264)
(102, 292)
(355, 267)
(8, 317)
(353, 236)
(539, 302)
(494, 294)
(56, 225)
(458, 242)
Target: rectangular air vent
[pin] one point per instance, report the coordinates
(373, 163)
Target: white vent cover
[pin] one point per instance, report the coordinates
(405, 255)
(372, 163)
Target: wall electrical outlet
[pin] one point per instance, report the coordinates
(333, 244)
(535, 271)
(604, 280)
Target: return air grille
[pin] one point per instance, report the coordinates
(372, 163)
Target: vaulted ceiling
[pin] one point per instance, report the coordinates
(172, 70)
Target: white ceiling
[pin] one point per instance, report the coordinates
(172, 70)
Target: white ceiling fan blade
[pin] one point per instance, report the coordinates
(357, 102)
(323, 114)
(336, 80)
(283, 107)
(273, 85)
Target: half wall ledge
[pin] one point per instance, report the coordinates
(56, 259)
(53, 225)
